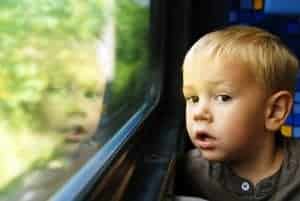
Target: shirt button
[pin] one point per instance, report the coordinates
(245, 186)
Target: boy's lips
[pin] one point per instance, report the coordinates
(204, 140)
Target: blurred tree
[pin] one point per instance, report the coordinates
(43, 44)
(48, 70)
(132, 32)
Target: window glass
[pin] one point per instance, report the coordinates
(129, 82)
(68, 69)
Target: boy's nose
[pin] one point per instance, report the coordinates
(202, 112)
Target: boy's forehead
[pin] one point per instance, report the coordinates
(215, 70)
(206, 62)
(194, 57)
(199, 64)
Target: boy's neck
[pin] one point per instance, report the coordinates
(265, 163)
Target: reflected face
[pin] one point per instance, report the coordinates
(225, 108)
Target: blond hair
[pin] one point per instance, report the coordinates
(271, 61)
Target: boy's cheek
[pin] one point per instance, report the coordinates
(188, 124)
(187, 117)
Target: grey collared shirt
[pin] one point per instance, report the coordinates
(216, 182)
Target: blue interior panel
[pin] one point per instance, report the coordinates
(282, 7)
(280, 17)
(246, 4)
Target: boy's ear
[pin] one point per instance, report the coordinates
(279, 106)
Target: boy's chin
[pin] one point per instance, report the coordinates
(214, 157)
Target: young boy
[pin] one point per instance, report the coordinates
(239, 84)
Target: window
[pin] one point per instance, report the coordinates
(71, 74)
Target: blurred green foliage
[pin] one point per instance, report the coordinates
(44, 46)
(48, 70)
(132, 27)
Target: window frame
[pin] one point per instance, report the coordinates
(83, 181)
(82, 184)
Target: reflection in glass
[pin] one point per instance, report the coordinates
(58, 58)
(132, 76)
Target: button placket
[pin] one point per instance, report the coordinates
(245, 186)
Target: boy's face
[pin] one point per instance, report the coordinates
(225, 108)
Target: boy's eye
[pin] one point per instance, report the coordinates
(223, 98)
(193, 99)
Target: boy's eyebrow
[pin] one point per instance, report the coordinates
(186, 87)
(209, 83)
(218, 82)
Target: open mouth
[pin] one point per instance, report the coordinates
(204, 140)
(203, 136)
